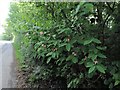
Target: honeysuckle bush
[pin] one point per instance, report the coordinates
(68, 40)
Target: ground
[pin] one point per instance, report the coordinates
(7, 65)
(12, 76)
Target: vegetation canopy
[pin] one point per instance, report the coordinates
(75, 43)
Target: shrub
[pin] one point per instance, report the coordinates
(67, 40)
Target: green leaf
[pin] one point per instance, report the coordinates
(116, 76)
(116, 83)
(89, 6)
(61, 31)
(92, 56)
(91, 69)
(101, 68)
(68, 47)
(101, 48)
(50, 53)
(68, 31)
(48, 60)
(63, 44)
(70, 57)
(69, 84)
(86, 42)
(89, 64)
(101, 55)
(39, 49)
(95, 40)
(82, 13)
(81, 62)
(111, 85)
(57, 54)
(81, 75)
(75, 60)
(78, 7)
(55, 43)
(53, 55)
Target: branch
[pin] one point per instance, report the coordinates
(97, 78)
(111, 8)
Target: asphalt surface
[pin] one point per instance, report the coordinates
(7, 65)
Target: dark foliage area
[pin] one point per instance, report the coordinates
(68, 45)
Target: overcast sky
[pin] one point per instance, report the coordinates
(4, 9)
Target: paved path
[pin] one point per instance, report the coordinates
(7, 65)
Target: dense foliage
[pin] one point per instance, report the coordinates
(77, 43)
(6, 36)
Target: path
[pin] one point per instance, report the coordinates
(7, 65)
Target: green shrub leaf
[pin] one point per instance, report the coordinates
(48, 60)
(50, 53)
(116, 83)
(101, 48)
(96, 40)
(89, 64)
(101, 68)
(86, 42)
(75, 60)
(70, 57)
(101, 55)
(92, 56)
(111, 85)
(91, 69)
(68, 47)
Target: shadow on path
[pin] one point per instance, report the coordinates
(7, 65)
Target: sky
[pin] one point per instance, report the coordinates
(4, 10)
